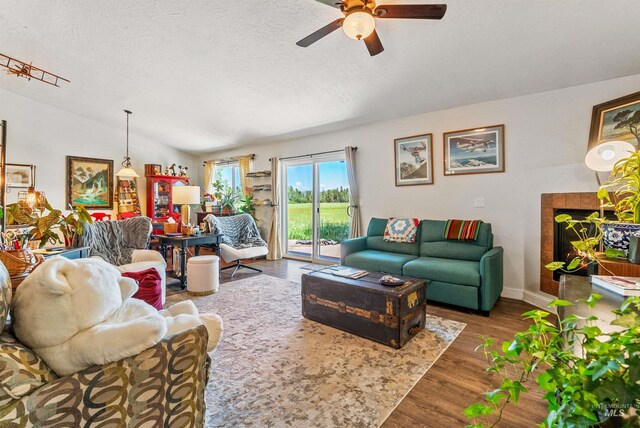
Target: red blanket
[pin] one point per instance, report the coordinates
(149, 286)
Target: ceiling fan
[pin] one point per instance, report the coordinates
(359, 20)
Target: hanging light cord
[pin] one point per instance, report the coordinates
(127, 160)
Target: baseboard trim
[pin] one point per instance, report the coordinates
(512, 293)
(540, 300)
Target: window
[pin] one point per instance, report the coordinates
(229, 175)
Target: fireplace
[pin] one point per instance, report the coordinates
(555, 241)
(563, 251)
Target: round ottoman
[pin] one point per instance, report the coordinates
(203, 275)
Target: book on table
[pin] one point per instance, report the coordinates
(623, 285)
(349, 273)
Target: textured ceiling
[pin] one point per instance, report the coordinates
(204, 75)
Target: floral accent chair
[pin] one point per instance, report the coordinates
(162, 386)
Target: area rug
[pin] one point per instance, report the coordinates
(273, 368)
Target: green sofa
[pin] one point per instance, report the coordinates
(462, 273)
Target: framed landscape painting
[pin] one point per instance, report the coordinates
(413, 160)
(474, 151)
(19, 175)
(90, 182)
(617, 119)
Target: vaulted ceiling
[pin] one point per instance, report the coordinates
(205, 75)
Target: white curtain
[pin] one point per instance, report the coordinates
(209, 174)
(354, 207)
(275, 250)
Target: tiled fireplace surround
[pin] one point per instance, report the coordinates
(550, 202)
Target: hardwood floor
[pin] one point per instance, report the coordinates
(457, 379)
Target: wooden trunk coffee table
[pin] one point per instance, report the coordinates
(364, 307)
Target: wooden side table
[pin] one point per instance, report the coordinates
(182, 242)
(618, 267)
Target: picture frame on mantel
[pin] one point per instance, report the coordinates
(474, 151)
(90, 182)
(617, 120)
(413, 160)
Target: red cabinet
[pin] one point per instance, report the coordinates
(159, 195)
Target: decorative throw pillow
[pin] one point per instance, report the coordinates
(21, 370)
(401, 230)
(149, 286)
(5, 296)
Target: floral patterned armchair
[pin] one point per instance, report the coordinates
(162, 386)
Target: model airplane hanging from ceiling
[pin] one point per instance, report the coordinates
(22, 69)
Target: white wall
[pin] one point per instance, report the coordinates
(546, 138)
(43, 135)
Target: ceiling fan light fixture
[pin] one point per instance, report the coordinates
(359, 25)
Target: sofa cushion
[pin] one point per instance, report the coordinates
(375, 239)
(461, 272)
(21, 370)
(433, 244)
(378, 261)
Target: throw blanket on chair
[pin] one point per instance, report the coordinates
(238, 231)
(114, 241)
(462, 230)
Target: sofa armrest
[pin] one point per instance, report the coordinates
(127, 391)
(147, 256)
(492, 277)
(351, 246)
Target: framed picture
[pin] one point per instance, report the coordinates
(413, 160)
(617, 119)
(19, 175)
(90, 182)
(474, 151)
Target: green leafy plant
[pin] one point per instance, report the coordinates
(45, 222)
(588, 376)
(217, 185)
(588, 235)
(247, 206)
(228, 200)
(625, 178)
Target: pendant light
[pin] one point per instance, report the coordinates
(32, 200)
(126, 170)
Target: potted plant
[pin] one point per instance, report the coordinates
(227, 202)
(625, 201)
(45, 223)
(247, 206)
(597, 386)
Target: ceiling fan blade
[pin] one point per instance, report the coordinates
(333, 3)
(374, 45)
(411, 11)
(324, 31)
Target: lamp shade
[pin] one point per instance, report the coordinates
(186, 195)
(127, 172)
(605, 155)
(359, 25)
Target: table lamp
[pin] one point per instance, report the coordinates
(186, 195)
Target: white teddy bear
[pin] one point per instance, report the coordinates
(78, 313)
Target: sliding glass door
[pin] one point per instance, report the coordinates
(315, 212)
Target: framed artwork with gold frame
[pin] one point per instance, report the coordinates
(90, 182)
(617, 120)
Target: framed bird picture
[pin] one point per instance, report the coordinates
(414, 160)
